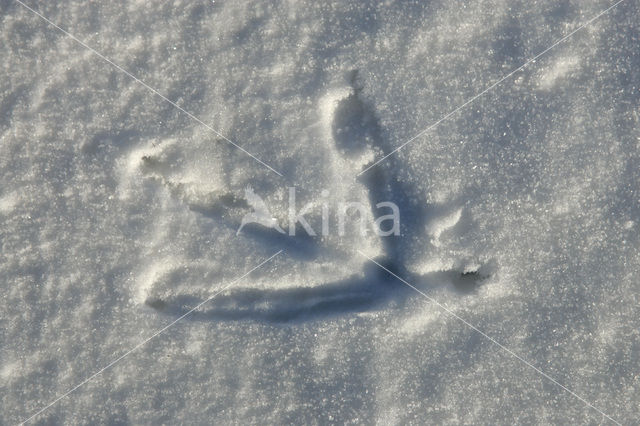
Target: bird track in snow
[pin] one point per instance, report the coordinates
(355, 134)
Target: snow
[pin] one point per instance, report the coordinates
(519, 213)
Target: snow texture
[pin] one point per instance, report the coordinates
(519, 213)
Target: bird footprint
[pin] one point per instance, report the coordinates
(353, 139)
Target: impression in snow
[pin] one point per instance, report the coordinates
(356, 135)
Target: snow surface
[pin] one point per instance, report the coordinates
(118, 212)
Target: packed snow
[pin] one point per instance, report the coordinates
(120, 212)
